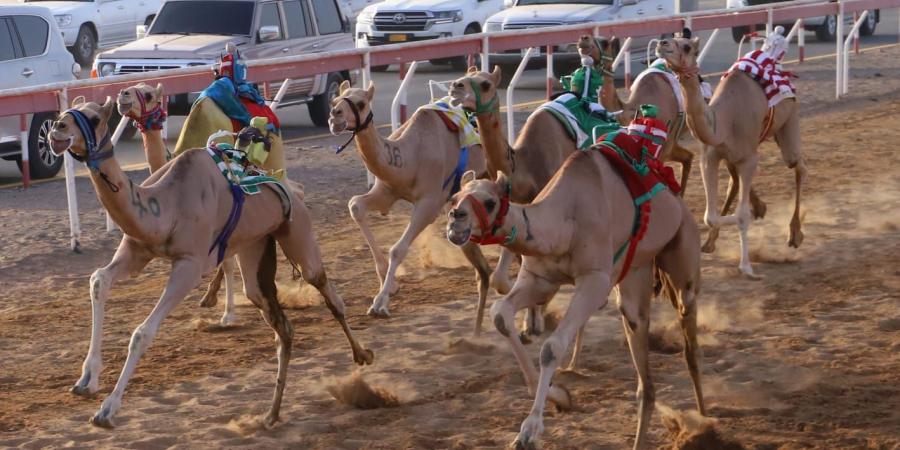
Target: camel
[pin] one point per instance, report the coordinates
(418, 163)
(175, 214)
(540, 149)
(143, 104)
(569, 235)
(731, 128)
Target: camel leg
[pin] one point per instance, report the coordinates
(528, 291)
(300, 246)
(500, 277)
(635, 293)
(258, 265)
(227, 319)
(423, 213)
(680, 264)
(746, 169)
(211, 298)
(576, 351)
(482, 274)
(379, 198)
(184, 276)
(127, 259)
(532, 323)
(591, 291)
(709, 168)
(788, 139)
(733, 182)
(684, 157)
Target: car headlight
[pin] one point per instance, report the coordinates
(63, 20)
(732, 4)
(491, 27)
(106, 69)
(448, 16)
(366, 16)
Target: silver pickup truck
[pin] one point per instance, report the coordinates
(194, 33)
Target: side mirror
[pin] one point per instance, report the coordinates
(140, 31)
(628, 2)
(269, 33)
(508, 3)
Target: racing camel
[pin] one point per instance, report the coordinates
(740, 115)
(569, 235)
(176, 214)
(421, 163)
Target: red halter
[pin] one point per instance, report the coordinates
(148, 120)
(488, 229)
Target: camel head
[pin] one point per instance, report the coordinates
(135, 101)
(65, 134)
(680, 53)
(479, 209)
(351, 109)
(600, 50)
(477, 91)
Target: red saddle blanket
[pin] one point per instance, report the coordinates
(256, 110)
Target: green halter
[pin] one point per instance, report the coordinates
(480, 108)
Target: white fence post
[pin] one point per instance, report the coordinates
(839, 70)
(71, 194)
(845, 64)
(510, 111)
(400, 97)
(23, 140)
(485, 51)
(708, 46)
(550, 75)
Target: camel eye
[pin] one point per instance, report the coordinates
(148, 96)
(489, 205)
(687, 48)
(485, 85)
(360, 104)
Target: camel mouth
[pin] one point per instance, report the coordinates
(336, 127)
(124, 108)
(59, 146)
(458, 238)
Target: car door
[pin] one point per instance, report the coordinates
(269, 38)
(116, 22)
(45, 67)
(330, 26)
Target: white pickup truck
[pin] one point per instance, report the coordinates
(87, 25)
(395, 21)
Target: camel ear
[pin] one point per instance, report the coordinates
(159, 91)
(502, 180)
(496, 75)
(370, 91)
(106, 109)
(467, 178)
(472, 70)
(77, 101)
(343, 88)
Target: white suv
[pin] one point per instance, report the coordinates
(87, 25)
(395, 21)
(31, 53)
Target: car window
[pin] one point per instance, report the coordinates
(327, 16)
(268, 17)
(296, 22)
(33, 34)
(7, 51)
(227, 18)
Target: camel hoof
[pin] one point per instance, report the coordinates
(564, 404)
(525, 338)
(796, 239)
(270, 420)
(208, 301)
(227, 320)
(758, 209)
(103, 420)
(524, 442)
(382, 312)
(367, 357)
(82, 391)
(748, 274)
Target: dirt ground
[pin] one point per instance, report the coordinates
(808, 357)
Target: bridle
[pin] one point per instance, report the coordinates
(485, 224)
(480, 108)
(149, 120)
(359, 127)
(96, 151)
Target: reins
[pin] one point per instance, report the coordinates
(491, 228)
(359, 127)
(96, 151)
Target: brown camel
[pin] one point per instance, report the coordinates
(416, 163)
(569, 235)
(176, 214)
(731, 128)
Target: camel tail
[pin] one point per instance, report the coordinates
(663, 284)
(265, 275)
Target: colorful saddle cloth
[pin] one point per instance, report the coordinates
(659, 67)
(644, 175)
(239, 100)
(765, 68)
(575, 83)
(457, 120)
(582, 119)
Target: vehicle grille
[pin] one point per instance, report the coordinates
(526, 25)
(411, 21)
(142, 68)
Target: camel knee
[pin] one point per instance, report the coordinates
(140, 339)
(357, 210)
(398, 251)
(101, 280)
(502, 315)
(552, 349)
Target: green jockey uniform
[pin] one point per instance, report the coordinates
(575, 83)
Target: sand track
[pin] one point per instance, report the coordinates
(806, 358)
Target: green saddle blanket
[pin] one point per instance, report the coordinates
(581, 118)
(239, 171)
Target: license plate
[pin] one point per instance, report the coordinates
(536, 52)
(397, 38)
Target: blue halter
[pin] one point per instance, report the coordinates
(95, 152)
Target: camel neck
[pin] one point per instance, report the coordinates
(497, 149)
(529, 238)
(128, 205)
(376, 152)
(700, 117)
(154, 149)
(609, 97)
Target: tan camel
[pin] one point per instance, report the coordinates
(176, 214)
(417, 163)
(142, 103)
(731, 128)
(569, 235)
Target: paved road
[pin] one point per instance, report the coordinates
(297, 124)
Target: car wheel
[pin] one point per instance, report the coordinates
(42, 163)
(320, 107)
(828, 30)
(868, 27)
(461, 63)
(737, 33)
(85, 46)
